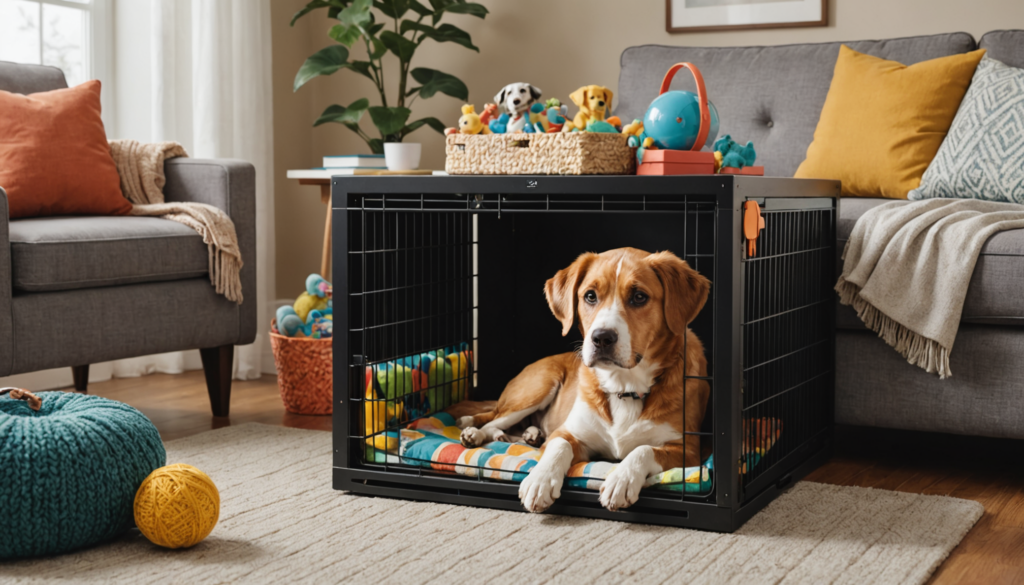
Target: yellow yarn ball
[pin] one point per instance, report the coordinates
(177, 506)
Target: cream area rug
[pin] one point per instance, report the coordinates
(281, 522)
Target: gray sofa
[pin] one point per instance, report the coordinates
(81, 290)
(773, 96)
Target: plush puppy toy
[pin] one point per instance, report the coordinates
(594, 102)
(515, 100)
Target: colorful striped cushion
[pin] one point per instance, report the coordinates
(433, 443)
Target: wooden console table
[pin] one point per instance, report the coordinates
(323, 179)
(325, 198)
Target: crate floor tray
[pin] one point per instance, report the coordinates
(569, 153)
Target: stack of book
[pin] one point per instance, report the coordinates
(352, 164)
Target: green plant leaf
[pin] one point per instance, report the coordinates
(317, 4)
(376, 145)
(379, 48)
(445, 33)
(361, 67)
(357, 14)
(373, 30)
(436, 81)
(432, 122)
(420, 9)
(324, 62)
(349, 116)
(477, 10)
(399, 45)
(389, 120)
(345, 34)
(392, 8)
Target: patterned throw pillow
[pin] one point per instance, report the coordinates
(982, 156)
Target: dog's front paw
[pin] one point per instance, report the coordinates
(621, 488)
(533, 436)
(540, 489)
(473, 437)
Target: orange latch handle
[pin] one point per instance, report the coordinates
(753, 223)
(702, 99)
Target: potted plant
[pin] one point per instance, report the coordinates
(403, 26)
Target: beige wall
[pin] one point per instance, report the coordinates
(557, 45)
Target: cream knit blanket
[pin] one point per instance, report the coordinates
(141, 167)
(907, 266)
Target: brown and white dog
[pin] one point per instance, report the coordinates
(622, 395)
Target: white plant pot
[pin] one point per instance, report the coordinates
(402, 156)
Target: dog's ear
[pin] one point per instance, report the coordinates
(499, 99)
(561, 290)
(534, 92)
(607, 101)
(579, 97)
(686, 290)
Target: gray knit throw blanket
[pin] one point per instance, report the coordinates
(907, 266)
(141, 167)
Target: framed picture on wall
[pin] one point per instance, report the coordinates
(716, 15)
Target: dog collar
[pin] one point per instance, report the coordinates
(633, 395)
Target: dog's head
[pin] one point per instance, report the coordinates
(516, 97)
(593, 100)
(627, 300)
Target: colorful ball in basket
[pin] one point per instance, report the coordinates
(69, 467)
(177, 506)
(682, 120)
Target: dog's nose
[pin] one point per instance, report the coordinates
(600, 103)
(516, 101)
(604, 338)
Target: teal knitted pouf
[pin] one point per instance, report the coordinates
(69, 472)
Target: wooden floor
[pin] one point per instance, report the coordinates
(990, 471)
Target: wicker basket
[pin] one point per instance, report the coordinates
(569, 153)
(305, 373)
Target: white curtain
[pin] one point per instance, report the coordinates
(210, 90)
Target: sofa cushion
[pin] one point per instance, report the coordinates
(1005, 45)
(993, 297)
(770, 95)
(67, 253)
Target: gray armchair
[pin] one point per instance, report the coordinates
(81, 290)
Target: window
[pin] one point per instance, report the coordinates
(68, 34)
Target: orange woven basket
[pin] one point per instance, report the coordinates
(305, 373)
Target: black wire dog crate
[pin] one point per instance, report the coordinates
(438, 299)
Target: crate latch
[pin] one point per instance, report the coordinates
(753, 223)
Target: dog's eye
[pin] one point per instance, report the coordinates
(638, 299)
(522, 90)
(591, 297)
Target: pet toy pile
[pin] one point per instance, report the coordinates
(679, 124)
(517, 108)
(312, 314)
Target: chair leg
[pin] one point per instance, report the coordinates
(80, 374)
(217, 365)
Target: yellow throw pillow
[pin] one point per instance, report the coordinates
(883, 121)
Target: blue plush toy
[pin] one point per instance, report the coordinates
(734, 155)
(600, 126)
(317, 325)
(500, 124)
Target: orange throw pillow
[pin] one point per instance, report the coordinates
(54, 156)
